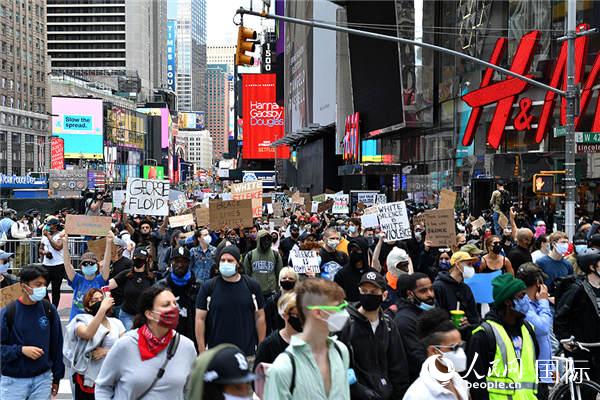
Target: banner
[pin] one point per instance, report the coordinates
(262, 118)
(249, 190)
(87, 225)
(393, 220)
(233, 213)
(57, 157)
(305, 261)
(440, 227)
(147, 197)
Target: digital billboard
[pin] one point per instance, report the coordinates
(79, 122)
(262, 118)
(191, 120)
(154, 172)
(165, 117)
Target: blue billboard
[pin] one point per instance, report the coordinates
(171, 55)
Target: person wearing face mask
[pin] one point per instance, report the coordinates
(493, 260)
(31, 361)
(444, 348)
(506, 341)
(230, 307)
(580, 247)
(416, 297)
(203, 257)
(119, 263)
(6, 279)
(275, 240)
(287, 281)
(263, 264)
(398, 263)
(332, 261)
(133, 282)
(450, 288)
(378, 357)
(554, 264)
(153, 345)
(221, 373)
(287, 244)
(89, 277)
(51, 246)
(540, 248)
(349, 277)
(88, 338)
(181, 281)
(315, 365)
(521, 253)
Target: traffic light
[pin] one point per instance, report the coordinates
(543, 184)
(245, 44)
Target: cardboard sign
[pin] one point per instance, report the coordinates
(297, 199)
(502, 220)
(249, 190)
(181, 220)
(324, 206)
(447, 199)
(305, 261)
(98, 246)
(10, 294)
(393, 220)
(277, 210)
(419, 220)
(232, 213)
(277, 222)
(478, 223)
(87, 225)
(118, 197)
(440, 227)
(340, 204)
(147, 197)
(202, 216)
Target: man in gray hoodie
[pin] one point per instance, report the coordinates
(263, 264)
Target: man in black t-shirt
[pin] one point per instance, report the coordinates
(288, 243)
(520, 254)
(119, 264)
(230, 307)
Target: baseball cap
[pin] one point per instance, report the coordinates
(374, 278)
(140, 252)
(5, 255)
(530, 273)
(461, 256)
(181, 252)
(471, 248)
(229, 366)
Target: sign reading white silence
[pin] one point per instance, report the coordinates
(393, 220)
(305, 261)
(147, 197)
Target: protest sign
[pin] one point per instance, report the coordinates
(419, 220)
(118, 197)
(314, 207)
(447, 199)
(147, 197)
(478, 223)
(326, 205)
(225, 196)
(319, 198)
(181, 220)
(232, 213)
(175, 194)
(305, 261)
(202, 216)
(502, 220)
(393, 220)
(87, 225)
(107, 207)
(340, 204)
(10, 294)
(481, 286)
(297, 199)
(277, 210)
(369, 220)
(367, 198)
(381, 199)
(279, 197)
(179, 204)
(277, 222)
(440, 227)
(98, 246)
(252, 190)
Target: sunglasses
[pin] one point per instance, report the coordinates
(88, 263)
(453, 347)
(337, 308)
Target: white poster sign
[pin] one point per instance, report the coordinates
(393, 220)
(147, 197)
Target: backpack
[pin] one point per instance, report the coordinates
(291, 357)
(212, 283)
(505, 201)
(562, 286)
(11, 310)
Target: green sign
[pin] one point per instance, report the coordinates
(587, 137)
(154, 172)
(560, 131)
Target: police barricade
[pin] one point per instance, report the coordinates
(26, 251)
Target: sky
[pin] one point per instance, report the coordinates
(219, 17)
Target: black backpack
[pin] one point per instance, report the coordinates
(505, 201)
(562, 286)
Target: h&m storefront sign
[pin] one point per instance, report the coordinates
(504, 93)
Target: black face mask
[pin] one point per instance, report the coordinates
(370, 302)
(295, 235)
(497, 248)
(265, 242)
(287, 285)
(355, 258)
(94, 308)
(295, 323)
(139, 263)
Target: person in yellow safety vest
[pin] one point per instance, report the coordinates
(502, 351)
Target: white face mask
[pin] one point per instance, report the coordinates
(468, 272)
(332, 243)
(457, 358)
(207, 239)
(336, 321)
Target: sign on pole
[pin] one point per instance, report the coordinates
(147, 197)
(393, 220)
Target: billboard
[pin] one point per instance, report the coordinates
(165, 118)
(191, 120)
(79, 122)
(57, 158)
(262, 118)
(171, 54)
(154, 172)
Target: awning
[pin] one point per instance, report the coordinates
(303, 135)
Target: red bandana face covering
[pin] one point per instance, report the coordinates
(149, 344)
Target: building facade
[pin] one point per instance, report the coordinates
(220, 54)
(24, 94)
(199, 149)
(217, 113)
(121, 43)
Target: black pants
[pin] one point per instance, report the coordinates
(82, 393)
(56, 274)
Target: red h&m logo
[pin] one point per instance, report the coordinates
(351, 137)
(504, 93)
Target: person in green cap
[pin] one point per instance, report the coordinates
(502, 351)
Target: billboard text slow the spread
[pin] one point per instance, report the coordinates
(79, 122)
(262, 118)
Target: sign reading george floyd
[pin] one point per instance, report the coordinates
(393, 220)
(232, 213)
(147, 197)
(87, 225)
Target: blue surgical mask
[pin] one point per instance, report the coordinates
(227, 269)
(581, 248)
(89, 269)
(38, 293)
(424, 306)
(444, 265)
(352, 229)
(4, 268)
(561, 248)
(521, 305)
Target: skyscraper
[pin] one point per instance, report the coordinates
(24, 144)
(217, 113)
(121, 43)
(191, 52)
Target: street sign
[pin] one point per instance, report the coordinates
(588, 148)
(560, 131)
(587, 137)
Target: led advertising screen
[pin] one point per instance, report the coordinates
(164, 115)
(262, 118)
(79, 122)
(191, 120)
(154, 172)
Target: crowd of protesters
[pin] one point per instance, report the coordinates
(378, 319)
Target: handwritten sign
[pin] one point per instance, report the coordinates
(99, 246)
(147, 197)
(297, 199)
(369, 220)
(326, 205)
(419, 220)
(118, 197)
(447, 199)
(381, 199)
(249, 190)
(87, 225)
(279, 197)
(277, 210)
(179, 203)
(440, 227)
(393, 220)
(478, 223)
(232, 213)
(10, 294)
(181, 220)
(202, 215)
(305, 261)
(340, 204)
